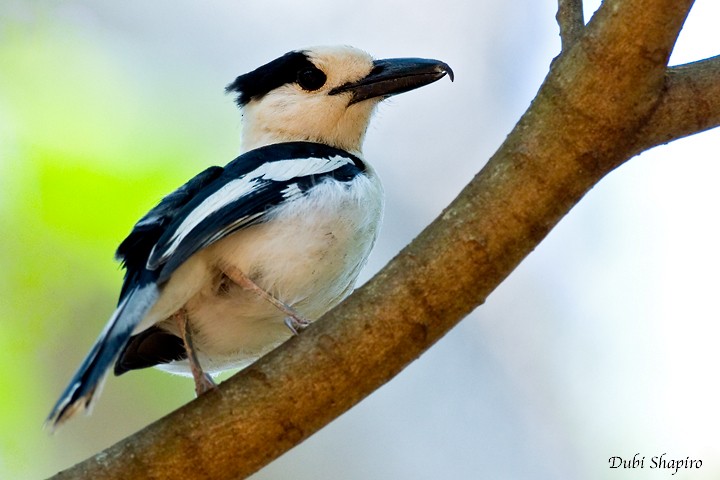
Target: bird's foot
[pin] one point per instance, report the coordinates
(203, 382)
(296, 324)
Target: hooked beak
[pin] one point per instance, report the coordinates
(395, 75)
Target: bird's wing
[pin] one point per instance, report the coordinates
(134, 251)
(249, 189)
(209, 207)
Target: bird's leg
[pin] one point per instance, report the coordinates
(294, 320)
(203, 381)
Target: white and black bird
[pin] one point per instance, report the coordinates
(232, 263)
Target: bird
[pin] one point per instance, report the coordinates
(242, 257)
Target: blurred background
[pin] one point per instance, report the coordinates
(603, 342)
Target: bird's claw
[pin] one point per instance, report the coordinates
(296, 324)
(203, 382)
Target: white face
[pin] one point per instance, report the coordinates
(290, 113)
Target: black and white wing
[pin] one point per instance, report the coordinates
(251, 186)
(214, 204)
(134, 251)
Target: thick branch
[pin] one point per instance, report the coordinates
(571, 21)
(585, 121)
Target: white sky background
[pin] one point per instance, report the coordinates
(603, 342)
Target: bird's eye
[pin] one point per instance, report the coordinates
(311, 79)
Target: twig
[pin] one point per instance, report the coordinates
(571, 21)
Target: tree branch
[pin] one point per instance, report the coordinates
(590, 115)
(689, 105)
(571, 21)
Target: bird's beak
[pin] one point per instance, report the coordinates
(395, 75)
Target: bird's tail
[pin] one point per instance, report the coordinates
(88, 380)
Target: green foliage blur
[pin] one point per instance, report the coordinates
(89, 140)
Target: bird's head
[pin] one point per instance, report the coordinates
(324, 95)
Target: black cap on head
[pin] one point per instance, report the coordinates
(293, 67)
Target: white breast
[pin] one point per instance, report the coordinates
(308, 255)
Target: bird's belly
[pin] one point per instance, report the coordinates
(308, 255)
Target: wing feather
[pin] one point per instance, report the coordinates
(244, 196)
(212, 205)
